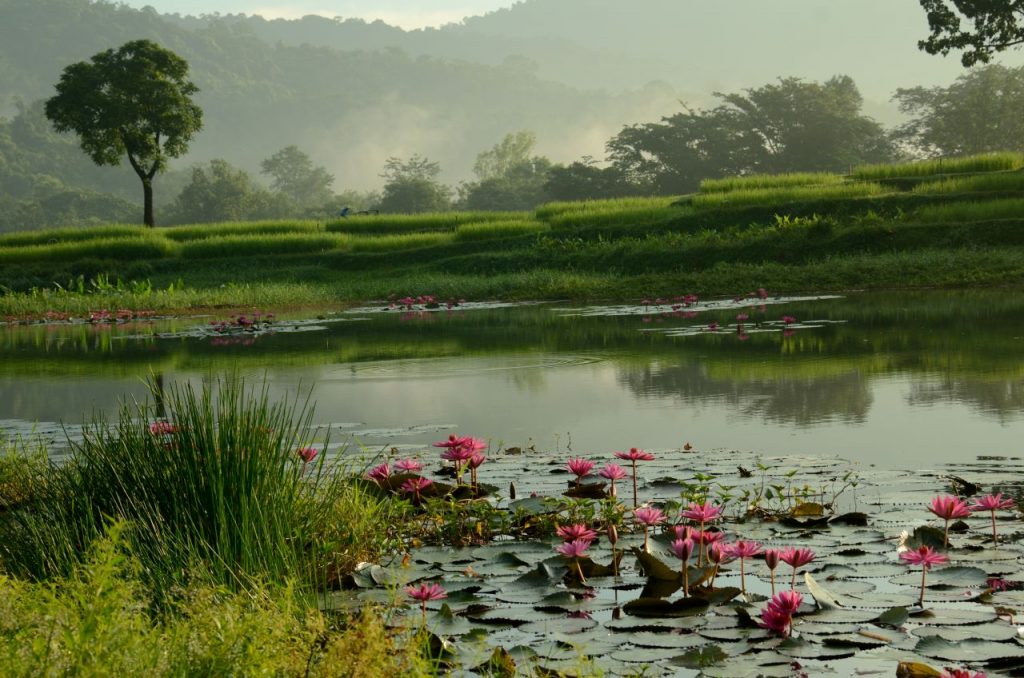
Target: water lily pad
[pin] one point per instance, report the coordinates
(969, 650)
(944, 576)
(658, 608)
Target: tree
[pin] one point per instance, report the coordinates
(584, 180)
(509, 176)
(997, 25)
(135, 101)
(978, 113)
(295, 176)
(411, 186)
(223, 193)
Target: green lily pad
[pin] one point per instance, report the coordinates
(969, 650)
(658, 608)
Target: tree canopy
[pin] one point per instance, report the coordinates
(294, 175)
(509, 176)
(132, 102)
(412, 186)
(994, 25)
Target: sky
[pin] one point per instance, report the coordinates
(405, 13)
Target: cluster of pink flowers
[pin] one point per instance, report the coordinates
(678, 302)
(576, 540)
(104, 316)
(777, 616)
(162, 428)
(581, 468)
(466, 451)
(950, 508)
(408, 303)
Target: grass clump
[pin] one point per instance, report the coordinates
(221, 491)
(956, 212)
(140, 245)
(204, 231)
(769, 181)
(987, 162)
(499, 229)
(384, 224)
(64, 235)
(777, 196)
(404, 241)
(551, 210)
(228, 246)
(978, 183)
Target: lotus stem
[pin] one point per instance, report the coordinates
(579, 568)
(924, 572)
(646, 546)
(773, 583)
(945, 535)
(686, 581)
(743, 578)
(995, 541)
(634, 485)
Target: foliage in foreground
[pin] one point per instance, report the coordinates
(219, 494)
(94, 623)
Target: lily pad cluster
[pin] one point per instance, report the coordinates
(627, 608)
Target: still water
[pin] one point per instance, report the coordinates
(908, 380)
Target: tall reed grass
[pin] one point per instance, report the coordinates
(978, 183)
(988, 162)
(769, 181)
(768, 197)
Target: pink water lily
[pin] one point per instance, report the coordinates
(408, 466)
(926, 557)
(162, 428)
(719, 555)
(579, 467)
(574, 550)
(425, 593)
(742, 550)
(796, 558)
(701, 514)
(961, 673)
(633, 456)
(778, 615)
(307, 454)
(683, 549)
(379, 474)
(993, 503)
(788, 319)
(415, 486)
(576, 532)
(612, 472)
(949, 508)
(771, 559)
(648, 516)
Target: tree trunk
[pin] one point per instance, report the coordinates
(147, 193)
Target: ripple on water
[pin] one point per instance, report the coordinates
(435, 368)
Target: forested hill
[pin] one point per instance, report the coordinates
(350, 108)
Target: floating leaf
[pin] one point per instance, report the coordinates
(654, 568)
(968, 650)
(701, 658)
(500, 665)
(824, 599)
(895, 617)
(657, 607)
(926, 535)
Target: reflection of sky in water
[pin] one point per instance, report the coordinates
(598, 407)
(898, 380)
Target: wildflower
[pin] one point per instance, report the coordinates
(408, 466)
(796, 558)
(424, 593)
(580, 468)
(648, 516)
(948, 507)
(926, 557)
(379, 474)
(633, 456)
(162, 428)
(743, 550)
(771, 559)
(993, 503)
(683, 549)
(576, 532)
(415, 486)
(307, 454)
(612, 472)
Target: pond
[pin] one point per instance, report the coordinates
(900, 380)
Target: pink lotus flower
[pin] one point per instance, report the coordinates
(686, 532)
(683, 549)
(788, 319)
(778, 615)
(786, 602)
(743, 550)
(648, 517)
(307, 454)
(713, 326)
(408, 466)
(379, 474)
(576, 532)
(993, 503)
(162, 428)
(577, 548)
(762, 293)
(742, 318)
(425, 593)
(771, 559)
(708, 537)
(579, 467)
(961, 673)
(633, 456)
(948, 508)
(796, 558)
(415, 486)
(612, 472)
(702, 513)
(926, 557)
(476, 461)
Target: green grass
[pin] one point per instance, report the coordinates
(499, 229)
(229, 246)
(979, 183)
(384, 224)
(141, 245)
(780, 196)
(225, 493)
(960, 212)
(67, 235)
(769, 181)
(989, 162)
(555, 209)
(204, 231)
(404, 241)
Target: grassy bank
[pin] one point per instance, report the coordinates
(951, 223)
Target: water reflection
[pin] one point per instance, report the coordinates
(941, 370)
